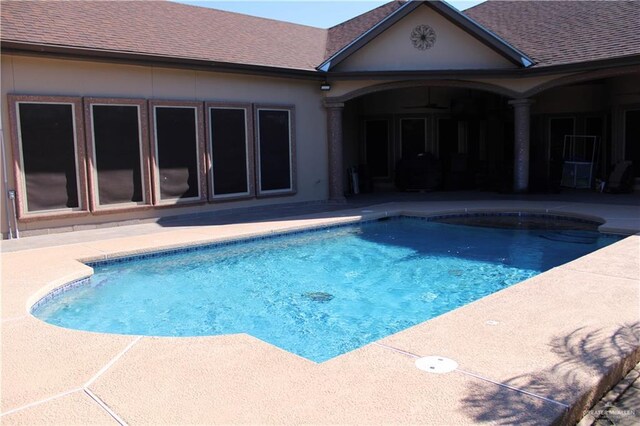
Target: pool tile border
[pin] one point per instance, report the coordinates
(56, 292)
(289, 232)
(221, 243)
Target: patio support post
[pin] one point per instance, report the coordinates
(522, 116)
(334, 136)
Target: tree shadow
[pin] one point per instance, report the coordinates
(591, 362)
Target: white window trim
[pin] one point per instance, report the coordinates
(248, 192)
(94, 171)
(23, 180)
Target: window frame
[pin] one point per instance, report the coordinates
(155, 154)
(145, 168)
(249, 146)
(77, 116)
(292, 190)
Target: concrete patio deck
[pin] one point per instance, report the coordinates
(540, 352)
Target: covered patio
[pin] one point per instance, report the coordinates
(426, 135)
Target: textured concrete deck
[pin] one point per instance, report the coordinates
(540, 352)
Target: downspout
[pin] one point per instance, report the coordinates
(10, 194)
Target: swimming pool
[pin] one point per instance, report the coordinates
(317, 294)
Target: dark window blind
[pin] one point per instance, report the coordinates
(116, 139)
(275, 158)
(49, 159)
(229, 151)
(177, 143)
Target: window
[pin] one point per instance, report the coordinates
(118, 153)
(177, 147)
(48, 155)
(229, 135)
(121, 166)
(275, 148)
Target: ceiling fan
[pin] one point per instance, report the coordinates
(428, 105)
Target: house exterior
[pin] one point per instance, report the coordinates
(121, 111)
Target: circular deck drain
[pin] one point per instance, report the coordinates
(436, 364)
(318, 296)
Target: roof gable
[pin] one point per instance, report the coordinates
(386, 47)
(341, 35)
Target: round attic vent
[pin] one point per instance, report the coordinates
(423, 37)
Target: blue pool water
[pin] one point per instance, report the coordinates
(317, 294)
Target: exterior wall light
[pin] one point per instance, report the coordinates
(325, 87)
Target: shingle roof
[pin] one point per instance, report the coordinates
(165, 29)
(564, 32)
(344, 33)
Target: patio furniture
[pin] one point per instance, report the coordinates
(621, 178)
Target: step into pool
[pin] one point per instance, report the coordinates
(320, 293)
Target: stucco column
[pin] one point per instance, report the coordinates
(334, 136)
(522, 115)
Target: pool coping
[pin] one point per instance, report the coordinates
(346, 218)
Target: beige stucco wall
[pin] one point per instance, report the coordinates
(45, 76)
(454, 48)
(518, 86)
(521, 84)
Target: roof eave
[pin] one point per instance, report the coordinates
(570, 68)
(73, 52)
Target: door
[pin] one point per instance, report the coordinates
(632, 139)
(376, 146)
(558, 129)
(413, 137)
(447, 140)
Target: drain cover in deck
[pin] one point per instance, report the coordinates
(436, 364)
